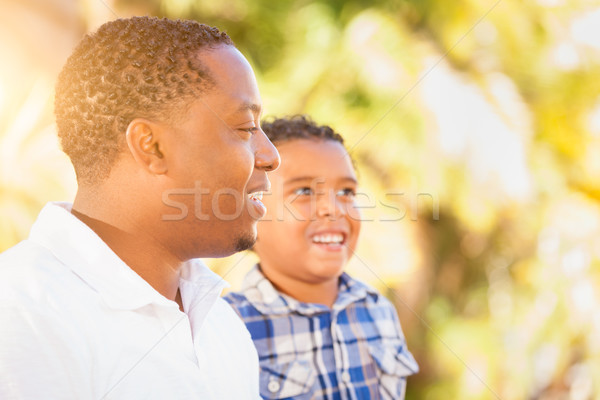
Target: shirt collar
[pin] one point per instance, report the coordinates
(200, 288)
(261, 293)
(80, 249)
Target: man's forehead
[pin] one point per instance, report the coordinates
(231, 103)
(234, 91)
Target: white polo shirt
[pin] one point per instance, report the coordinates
(77, 323)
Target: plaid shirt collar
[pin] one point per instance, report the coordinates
(264, 297)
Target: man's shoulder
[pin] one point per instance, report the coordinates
(223, 306)
(27, 261)
(223, 322)
(19, 250)
(30, 276)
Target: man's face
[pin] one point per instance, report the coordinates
(219, 161)
(311, 227)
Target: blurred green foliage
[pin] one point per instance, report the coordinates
(490, 107)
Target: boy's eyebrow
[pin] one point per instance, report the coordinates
(299, 179)
(349, 179)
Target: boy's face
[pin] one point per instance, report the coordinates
(311, 227)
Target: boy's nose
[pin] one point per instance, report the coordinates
(266, 156)
(329, 206)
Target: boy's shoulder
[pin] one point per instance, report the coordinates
(360, 291)
(237, 300)
(254, 297)
(366, 303)
(258, 296)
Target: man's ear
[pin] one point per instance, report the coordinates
(144, 142)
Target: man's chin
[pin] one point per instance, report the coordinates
(245, 242)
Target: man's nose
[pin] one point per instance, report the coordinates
(266, 156)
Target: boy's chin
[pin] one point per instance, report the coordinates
(330, 262)
(328, 271)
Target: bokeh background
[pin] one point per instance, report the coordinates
(475, 125)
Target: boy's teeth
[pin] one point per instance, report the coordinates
(329, 238)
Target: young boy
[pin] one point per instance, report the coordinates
(319, 333)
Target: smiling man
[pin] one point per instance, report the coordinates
(104, 300)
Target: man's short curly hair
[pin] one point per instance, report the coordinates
(140, 67)
(281, 130)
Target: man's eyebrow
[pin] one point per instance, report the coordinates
(255, 108)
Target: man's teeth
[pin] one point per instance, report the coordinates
(330, 238)
(256, 196)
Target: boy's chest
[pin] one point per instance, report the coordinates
(329, 336)
(329, 352)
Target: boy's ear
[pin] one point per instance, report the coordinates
(144, 142)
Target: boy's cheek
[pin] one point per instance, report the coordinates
(354, 214)
(294, 211)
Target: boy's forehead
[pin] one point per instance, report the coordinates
(314, 149)
(308, 160)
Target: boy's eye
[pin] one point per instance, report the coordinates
(303, 191)
(347, 192)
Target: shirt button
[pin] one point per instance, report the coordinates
(273, 386)
(346, 376)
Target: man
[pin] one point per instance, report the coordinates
(160, 119)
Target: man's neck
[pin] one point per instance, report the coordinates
(141, 253)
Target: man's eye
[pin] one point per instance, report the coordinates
(347, 192)
(303, 191)
(249, 130)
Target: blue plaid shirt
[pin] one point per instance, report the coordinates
(355, 350)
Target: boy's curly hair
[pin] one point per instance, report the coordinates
(281, 130)
(137, 67)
